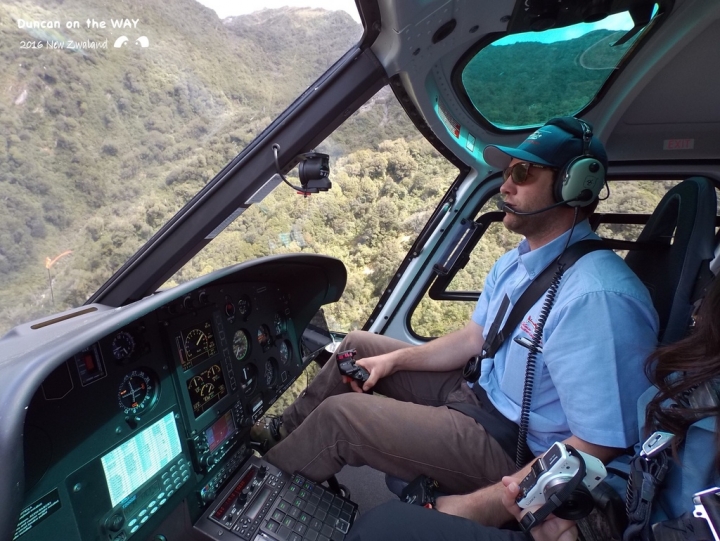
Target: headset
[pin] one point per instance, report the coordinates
(579, 182)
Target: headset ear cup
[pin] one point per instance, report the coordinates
(559, 182)
(579, 505)
(582, 174)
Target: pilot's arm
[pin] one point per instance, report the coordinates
(449, 352)
(446, 353)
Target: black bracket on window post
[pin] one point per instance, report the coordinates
(457, 256)
(457, 247)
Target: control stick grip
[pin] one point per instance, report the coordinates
(347, 366)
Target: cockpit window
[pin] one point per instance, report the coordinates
(112, 122)
(386, 181)
(524, 79)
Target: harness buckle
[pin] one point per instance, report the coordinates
(656, 443)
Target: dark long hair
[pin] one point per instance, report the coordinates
(677, 369)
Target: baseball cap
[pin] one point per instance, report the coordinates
(554, 144)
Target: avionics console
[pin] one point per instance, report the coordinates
(139, 476)
(263, 501)
(150, 421)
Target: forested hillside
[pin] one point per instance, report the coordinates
(369, 219)
(104, 146)
(546, 81)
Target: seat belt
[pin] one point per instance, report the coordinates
(500, 428)
(494, 338)
(532, 294)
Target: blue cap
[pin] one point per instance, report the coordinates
(555, 144)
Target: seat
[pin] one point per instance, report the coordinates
(678, 244)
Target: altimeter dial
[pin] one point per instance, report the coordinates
(241, 344)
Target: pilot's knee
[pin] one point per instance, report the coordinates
(351, 339)
(357, 340)
(343, 409)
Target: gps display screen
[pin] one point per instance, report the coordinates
(137, 460)
(219, 432)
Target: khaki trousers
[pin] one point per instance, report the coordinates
(406, 432)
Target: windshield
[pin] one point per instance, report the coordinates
(115, 117)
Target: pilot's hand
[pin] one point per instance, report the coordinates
(551, 529)
(379, 367)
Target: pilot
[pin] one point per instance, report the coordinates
(429, 420)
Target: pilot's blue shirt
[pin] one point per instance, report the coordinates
(590, 373)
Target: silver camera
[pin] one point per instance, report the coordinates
(555, 469)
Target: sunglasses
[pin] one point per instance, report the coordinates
(519, 171)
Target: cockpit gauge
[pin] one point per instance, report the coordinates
(195, 384)
(229, 307)
(213, 371)
(263, 337)
(196, 344)
(248, 378)
(206, 389)
(241, 344)
(244, 306)
(279, 324)
(285, 351)
(271, 370)
(138, 391)
(123, 345)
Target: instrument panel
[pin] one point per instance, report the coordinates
(158, 411)
(231, 350)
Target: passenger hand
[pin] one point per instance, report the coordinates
(551, 529)
(379, 367)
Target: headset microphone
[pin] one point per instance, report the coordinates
(584, 196)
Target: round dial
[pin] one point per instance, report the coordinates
(196, 343)
(285, 351)
(213, 371)
(137, 392)
(263, 337)
(244, 306)
(270, 372)
(279, 323)
(248, 378)
(207, 389)
(241, 344)
(195, 384)
(123, 345)
(229, 307)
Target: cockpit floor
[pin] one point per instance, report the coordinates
(367, 486)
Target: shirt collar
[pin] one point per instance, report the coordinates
(535, 261)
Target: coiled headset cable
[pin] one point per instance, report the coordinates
(534, 347)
